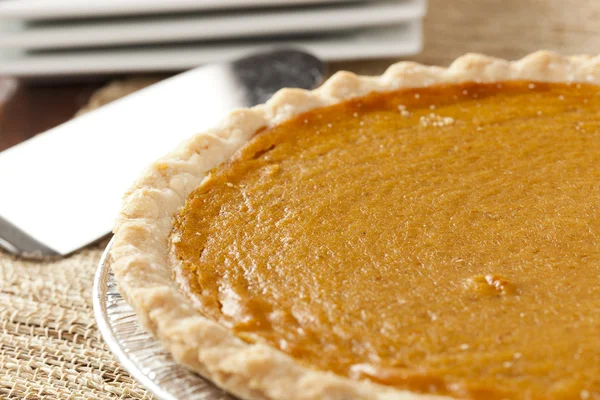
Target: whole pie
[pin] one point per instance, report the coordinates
(428, 233)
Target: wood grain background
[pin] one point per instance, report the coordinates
(503, 28)
(508, 29)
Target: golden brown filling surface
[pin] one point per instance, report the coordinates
(442, 240)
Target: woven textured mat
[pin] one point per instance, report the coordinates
(49, 344)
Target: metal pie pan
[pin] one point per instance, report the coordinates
(138, 351)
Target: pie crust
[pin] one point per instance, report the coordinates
(140, 252)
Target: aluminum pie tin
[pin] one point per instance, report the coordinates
(138, 351)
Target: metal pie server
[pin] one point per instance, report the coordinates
(61, 190)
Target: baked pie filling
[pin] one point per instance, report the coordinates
(442, 240)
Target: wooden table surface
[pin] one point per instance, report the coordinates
(503, 28)
(27, 109)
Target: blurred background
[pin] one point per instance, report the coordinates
(59, 56)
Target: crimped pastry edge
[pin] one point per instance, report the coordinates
(140, 251)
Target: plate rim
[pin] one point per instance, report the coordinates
(40, 10)
(370, 43)
(198, 27)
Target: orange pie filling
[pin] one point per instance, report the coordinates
(442, 240)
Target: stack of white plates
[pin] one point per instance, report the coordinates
(59, 37)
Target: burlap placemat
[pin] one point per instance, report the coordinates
(49, 344)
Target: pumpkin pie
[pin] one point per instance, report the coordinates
(429, 233)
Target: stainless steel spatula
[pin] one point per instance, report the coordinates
(62, 189)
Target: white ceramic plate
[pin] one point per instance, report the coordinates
(60, 9)
(369, 43)
(203, 26)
